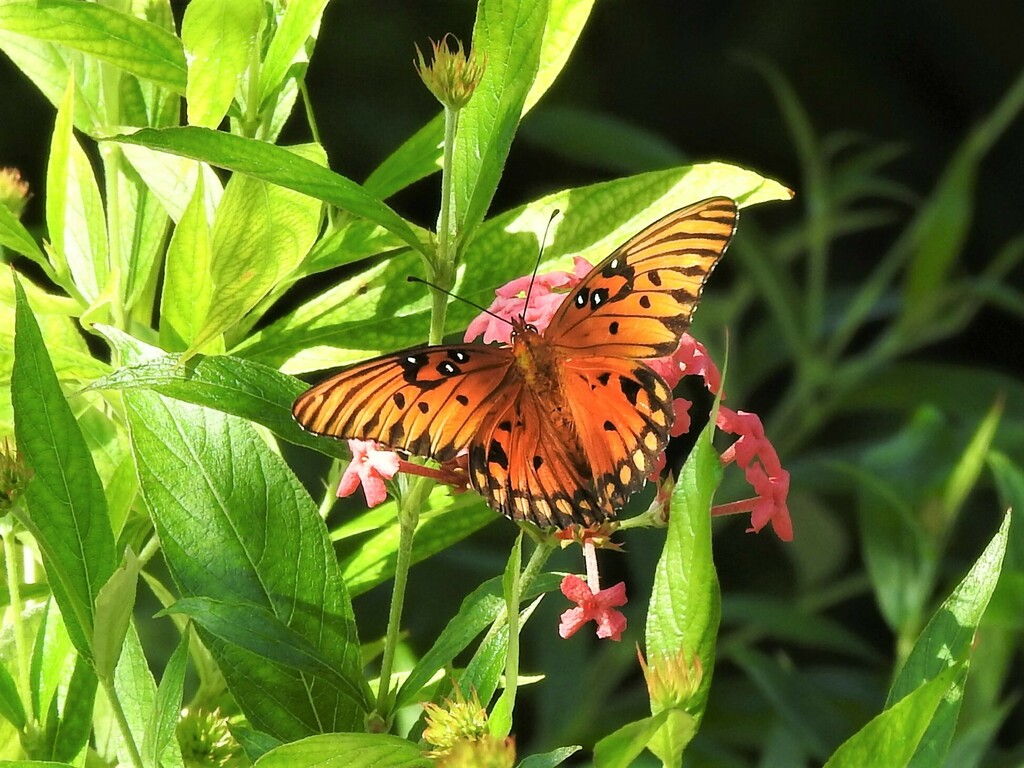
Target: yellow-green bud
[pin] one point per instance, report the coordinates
(452, 75)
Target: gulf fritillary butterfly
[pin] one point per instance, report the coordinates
(561, 426)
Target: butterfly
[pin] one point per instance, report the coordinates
(560, 427)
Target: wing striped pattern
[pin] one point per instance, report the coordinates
(429, 401)
(527, 469)
(639, 301)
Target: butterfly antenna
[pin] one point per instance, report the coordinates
(414, 279)
(540, 253)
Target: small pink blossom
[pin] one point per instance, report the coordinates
(510, 302)
(756, 455)
(370, 467)
(593, 606)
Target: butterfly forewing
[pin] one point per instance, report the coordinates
(429, 401)
(639, 301)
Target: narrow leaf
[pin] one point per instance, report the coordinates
(347, 750)
(11, 708)
(167, 711)
(623, 746)
(277, 166)
(66, 506)
(114, 604)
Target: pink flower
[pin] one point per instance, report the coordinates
(754, 452)
(370, 467)
(510, 302)
(591, 606)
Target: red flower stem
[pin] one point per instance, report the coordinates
(734, 508)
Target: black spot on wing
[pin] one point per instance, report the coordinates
(630, 389)
(496, 454)
(462, 399)
(399, 399)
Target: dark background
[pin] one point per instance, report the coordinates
(917, 74)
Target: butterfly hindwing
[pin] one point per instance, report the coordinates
(429, 401)
(638, 301)
(623, 412)
(527, 469)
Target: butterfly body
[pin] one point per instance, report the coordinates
(560, 426)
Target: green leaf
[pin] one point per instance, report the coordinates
(967, 470)
(347, 750)
(249, 533)
(74, 209)
(137, 693)
(891, 738)
(173, 179)
(261, 233)
(356, 319)
(946, 642)
(185, 302)
(138, 238)
(276, 165)
(13, 235)
(374, 562)
(53, 658)
(508, 35)
(114, 604)
(66, 506)
(136, 46)
(685, 607)
(479, 610)
(11, 708)
(300, 22)
(499, 723)
(624, 745)
(942, 223)
(167, 710)
(70, 734)
(258, 630)
(549, 759)
(229, 384)
(219, 37)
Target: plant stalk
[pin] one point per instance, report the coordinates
(17, 608)
(122, 722)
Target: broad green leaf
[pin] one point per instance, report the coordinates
(219, 37)
(357, 318)
(166, 711)
(347, 750)
(114, 605)
(74, 209)
(624, 745)
(66, 506)
(11, 707)
(137, 692)
(420, 155)
(508, 35)
(248, 533)
(261, 233)
(136, 46)
(229, 384)
(946, 642)
(187, 289)
(357, 239)
(287, 47)
(891, 738)
(276, 165)
(685, 606)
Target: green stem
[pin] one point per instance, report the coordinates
(122, 722)
(17, 607)
(408, 519)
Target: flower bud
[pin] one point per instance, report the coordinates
(14, 192)
(672, 681)
(14, 476)
(458, 720)
(452, 75)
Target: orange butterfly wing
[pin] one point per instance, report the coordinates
(562, 432)
(638, 302)
(429, 401)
